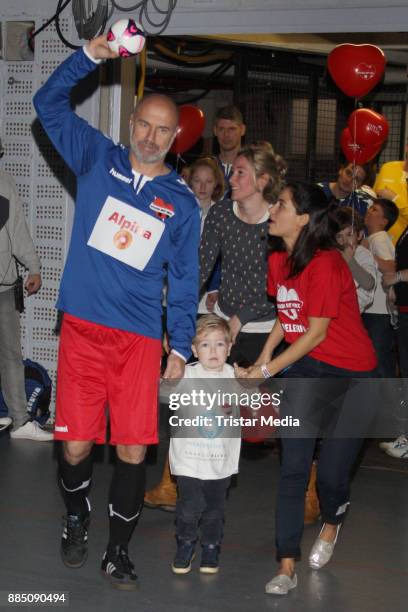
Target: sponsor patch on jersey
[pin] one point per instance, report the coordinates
(162, 209)
(126, 233)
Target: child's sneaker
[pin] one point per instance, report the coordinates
(184, 556)
(119, 569)
(209, 558)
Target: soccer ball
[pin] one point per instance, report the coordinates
(126, 37)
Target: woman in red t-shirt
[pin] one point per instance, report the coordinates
(318, 317)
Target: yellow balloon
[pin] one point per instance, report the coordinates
(393, 177)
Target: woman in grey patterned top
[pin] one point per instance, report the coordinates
(237, 230)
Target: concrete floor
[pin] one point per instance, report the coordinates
(368, 573)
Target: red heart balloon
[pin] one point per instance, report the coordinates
(356, 69)
(355, 152)
(368, 127)
(190, 127)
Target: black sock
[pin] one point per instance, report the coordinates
(75, 483)
(125, 501)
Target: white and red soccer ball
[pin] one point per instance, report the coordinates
(126, 37)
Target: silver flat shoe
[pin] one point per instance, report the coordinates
(322, 551)
(281, 584)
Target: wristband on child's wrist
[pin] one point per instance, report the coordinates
(265, 372)
(398, 277)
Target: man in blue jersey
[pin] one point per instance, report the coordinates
(135, 221)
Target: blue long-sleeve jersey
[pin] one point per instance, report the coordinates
(123, 243)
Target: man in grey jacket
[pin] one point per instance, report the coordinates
(15, 244)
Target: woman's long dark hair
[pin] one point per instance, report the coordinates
(318, 234)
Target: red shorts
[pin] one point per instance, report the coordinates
(100, 367)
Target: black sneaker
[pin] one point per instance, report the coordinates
(119, 569)
(209, 559)
(74, 541)
(184, 556)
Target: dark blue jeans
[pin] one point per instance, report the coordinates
(201, 505)
(336, 457)
(383, 338)
(402, 340)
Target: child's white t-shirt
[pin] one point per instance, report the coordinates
(207, 458)
(366, 260)
(380, 246)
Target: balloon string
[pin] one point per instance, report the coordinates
(354, 182)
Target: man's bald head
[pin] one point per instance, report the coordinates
(153, 127)
(161, 101)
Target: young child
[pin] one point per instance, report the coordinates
(207, 182)
(204, 465)
(359, 259)
(378, 220)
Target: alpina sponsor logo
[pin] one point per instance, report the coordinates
(61, 428)
(131, 226)
(162, 209)
(120, 176)
(122, 239)
(365, 71)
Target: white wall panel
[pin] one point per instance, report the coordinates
(40, 175)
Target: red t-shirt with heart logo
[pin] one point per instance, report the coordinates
(325, 288)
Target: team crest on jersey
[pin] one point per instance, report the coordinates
(162, 209)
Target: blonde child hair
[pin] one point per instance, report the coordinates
(209, 323)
